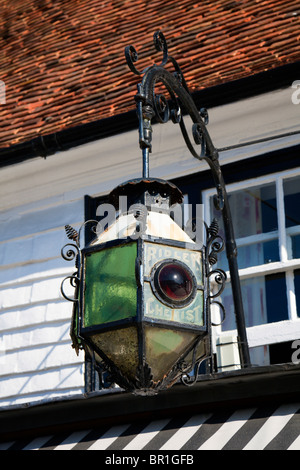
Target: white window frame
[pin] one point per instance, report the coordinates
(277, 332)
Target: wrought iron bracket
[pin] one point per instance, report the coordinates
(179, 103)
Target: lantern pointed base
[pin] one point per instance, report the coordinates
(148, 366)
(146, 378)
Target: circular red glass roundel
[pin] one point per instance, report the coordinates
(175, 282)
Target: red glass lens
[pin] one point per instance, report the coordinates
(175, 282)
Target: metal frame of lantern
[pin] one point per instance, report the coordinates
(187, 364)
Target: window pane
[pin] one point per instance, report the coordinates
(277, 353)
(291, 188)
(296, 246)
(258, 253)
(253, 255)
(270, 251)
(277, 308)
(297, 289)
(254, 214)
(259, 356)
(264, 300)
(254, 210)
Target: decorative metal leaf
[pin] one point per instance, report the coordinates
(72, 234)
(144, 377)
(213, 229)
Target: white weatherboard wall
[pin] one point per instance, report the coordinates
(36, 360)
(39, 197)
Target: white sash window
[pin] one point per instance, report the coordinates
(266, 219)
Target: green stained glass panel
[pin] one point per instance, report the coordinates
(110, 285)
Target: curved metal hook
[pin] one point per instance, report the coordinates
(84, 225)
(71, 253)
(189, 381)
(222, 308)
(131, 56)
(220, 279)
(161, 107)
(160, 44)
(74, 281)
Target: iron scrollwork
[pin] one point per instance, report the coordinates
(70, 252)
(214, 246)
(158, 106)
(160, 44)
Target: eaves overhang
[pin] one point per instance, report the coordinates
(66, 139)
(255, 387)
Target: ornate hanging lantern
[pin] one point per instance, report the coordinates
(142, 303)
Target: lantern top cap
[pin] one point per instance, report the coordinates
(136, 189)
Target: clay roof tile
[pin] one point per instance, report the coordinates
(63, 62)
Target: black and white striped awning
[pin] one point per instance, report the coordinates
(276, 427)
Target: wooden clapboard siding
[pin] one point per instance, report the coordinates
(36, 360)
